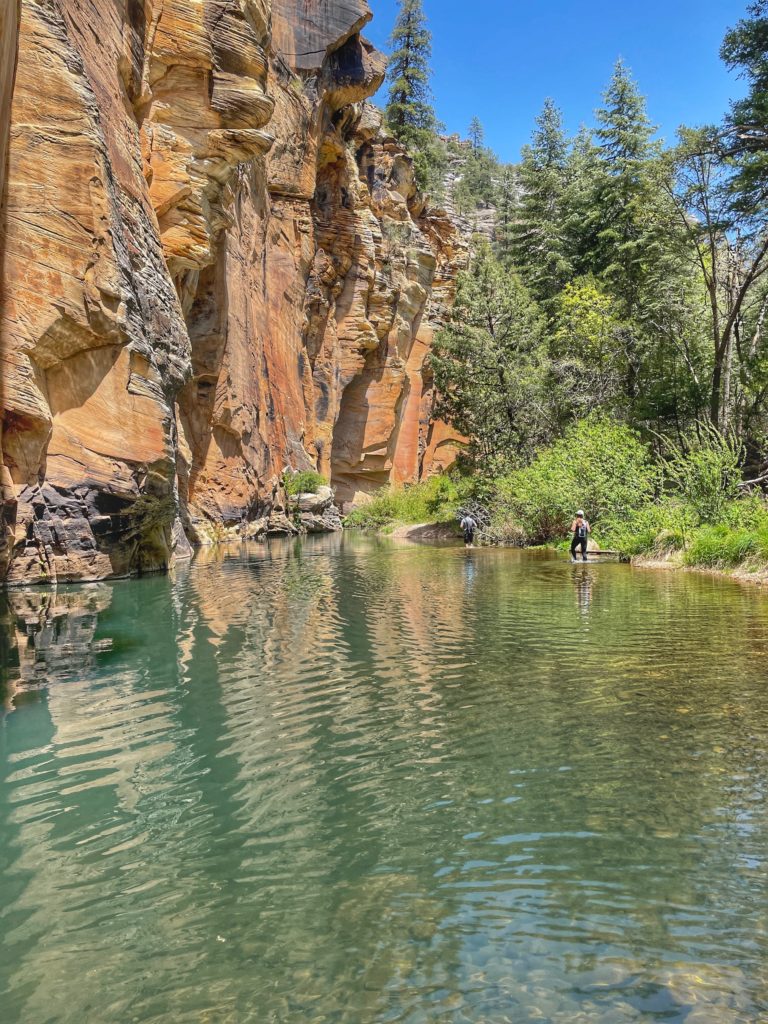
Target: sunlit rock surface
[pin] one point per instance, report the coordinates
(215, 266)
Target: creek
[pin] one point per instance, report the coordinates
(353, 780)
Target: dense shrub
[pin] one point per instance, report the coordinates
(657, 528)
(305, 482)
(672, 526)
(599, 465)
(749, 512)
(706, 473)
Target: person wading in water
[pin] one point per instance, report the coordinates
(581, 531)
(468, 525)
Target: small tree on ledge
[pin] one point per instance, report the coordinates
(409, 112)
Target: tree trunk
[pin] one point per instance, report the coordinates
(715, 394)
(725, 414)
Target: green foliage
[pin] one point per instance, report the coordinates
(749, 512)
(409, 114)
(706, 472)
(539, 245)
(718, 547)
(580, 208)
(430, 160)
(476, 134)
(673, 527)
(479, 173)
(628, 243)
(599, 465)
(433, 500)
(655, 529)
(506, 199)
(745, 50)
(586, 352)
(724, 227)
(408, 69)
(490, 366)
(305, 482)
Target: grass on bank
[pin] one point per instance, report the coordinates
(738, 539)
(435, 500)
(685, 505)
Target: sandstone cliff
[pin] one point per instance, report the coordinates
(215, 265)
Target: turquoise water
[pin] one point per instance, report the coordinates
(347, 780)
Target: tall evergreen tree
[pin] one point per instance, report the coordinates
(409, 112)
(581, 211)
(539, 245)
(745, 50)
(507, 202)
(477, 186)
(490, 365)
(476, 134)
(627, 241)
(624, 137)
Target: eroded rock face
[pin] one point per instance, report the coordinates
(381, 431)
(215, 266)
(9, 35)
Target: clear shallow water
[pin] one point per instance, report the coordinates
(351, 781)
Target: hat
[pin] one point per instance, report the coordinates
(580, 513)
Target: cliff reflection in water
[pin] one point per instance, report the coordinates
(354, 780)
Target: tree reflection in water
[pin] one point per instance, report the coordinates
(356, 780)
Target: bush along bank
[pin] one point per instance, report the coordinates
(684, 504)
(434, 501)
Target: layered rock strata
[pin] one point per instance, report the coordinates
(9, 32)
(215, 265)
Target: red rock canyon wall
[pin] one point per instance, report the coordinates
(215, 265)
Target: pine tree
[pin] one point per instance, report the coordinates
(409, 112)
(476, 134)
(539, 244)
(507, 203)
(490, 366)
(477, 187)
(581, 210)
(745, 49)
(625, 149)
(627, 243)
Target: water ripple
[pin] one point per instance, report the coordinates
(356, 781)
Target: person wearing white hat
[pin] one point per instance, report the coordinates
(581, 530)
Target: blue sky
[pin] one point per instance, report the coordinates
(500, 59)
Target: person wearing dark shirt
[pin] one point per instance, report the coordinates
(581, 530)
(469, 526)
